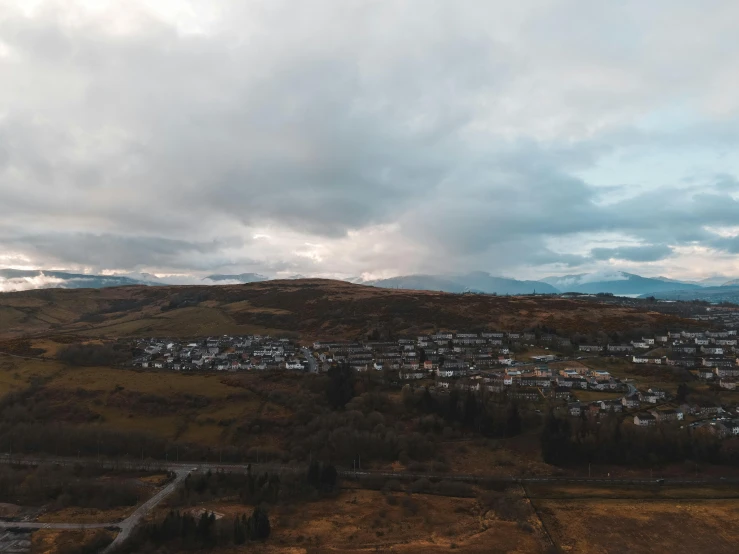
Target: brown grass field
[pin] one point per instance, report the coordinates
(365, 521)
(55, 541)
(598, 526)
(311, 308)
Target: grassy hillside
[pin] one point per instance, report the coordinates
(312, 308)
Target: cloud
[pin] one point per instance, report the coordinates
(115, 251)
(27, 283)
(648, 253)
(363, 137)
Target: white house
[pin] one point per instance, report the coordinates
(644, 420)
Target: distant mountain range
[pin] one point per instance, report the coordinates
(241, 278)
(616, 282)
(477, 281)
(19, 279)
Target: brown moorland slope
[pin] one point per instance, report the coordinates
(312, 308)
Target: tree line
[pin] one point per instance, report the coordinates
(569, 441)
(183, 532)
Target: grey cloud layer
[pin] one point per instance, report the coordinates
(462, 125)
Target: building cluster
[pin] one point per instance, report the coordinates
(485, 362)
(226, 353)
(471, 361)
(713, 354)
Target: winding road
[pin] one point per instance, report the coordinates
(125, 526)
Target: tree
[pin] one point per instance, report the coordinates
(340, 390)
(513, 423)
(258, 525)
(329, 476)
(240, 530)
(682, 393)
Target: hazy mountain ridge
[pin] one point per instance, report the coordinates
(22, 279)
(241, 277)
(617, 283)
(714, 295)
(476, 281)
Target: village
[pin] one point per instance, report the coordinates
(540, 368)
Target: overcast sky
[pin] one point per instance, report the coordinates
(366, 137)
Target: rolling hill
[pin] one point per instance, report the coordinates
(310, 308)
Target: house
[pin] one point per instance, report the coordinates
(590, 348)
(727, 383)
(644, 420)
(733, 426)
(645, 360)
(649, 397)
(524, 394)
(630, 402)
(569, 373)
(666, 416)
(661, 394)
(722, 363)
(684, 349)
(706, 373)
(412, 375)
(560, 393)
(576, 382)
(543, 371)
(726, 371)
(573, 408)
(610, 406)
(619, 348)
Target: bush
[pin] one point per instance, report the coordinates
(454, 488)
(92, 355)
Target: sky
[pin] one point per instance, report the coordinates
(369, 138)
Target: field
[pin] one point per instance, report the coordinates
(187, 407)
(636, 526)
(55, 541)
(369, 521)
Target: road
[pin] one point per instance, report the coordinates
(125, 527)
(182, 470)
(311, 360)
(130, 523)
